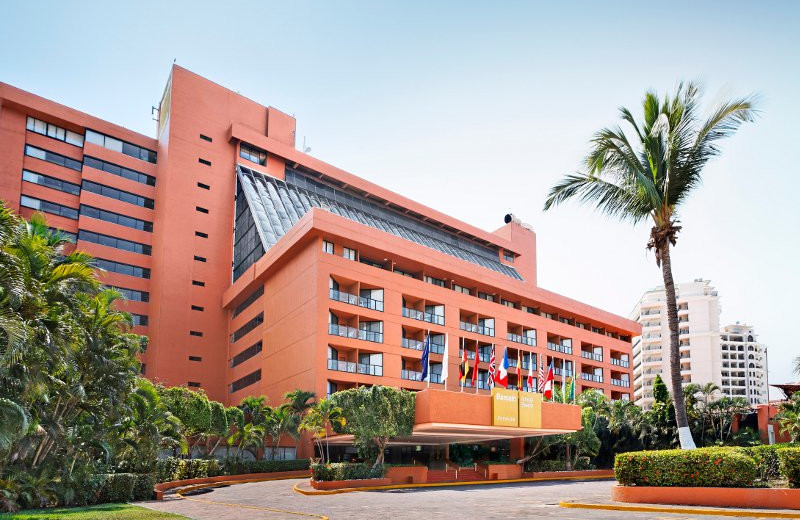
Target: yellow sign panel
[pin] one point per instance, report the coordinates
(505, 407)
(530, 410)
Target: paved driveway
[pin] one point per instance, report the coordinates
(276, 500)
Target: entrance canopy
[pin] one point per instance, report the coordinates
(445, 417)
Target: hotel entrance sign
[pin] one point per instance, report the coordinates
(530, 410)
(505, 407)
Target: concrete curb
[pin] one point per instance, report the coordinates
(758, 513)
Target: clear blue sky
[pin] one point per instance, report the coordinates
(476, 109)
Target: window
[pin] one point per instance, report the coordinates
(117, 243)
(200, 234)
(120, 146)
(459, 288)
(509, 304)
(404, 273)
(206, 138)
(50, 182)
(139, 320)
(198, 283)
(52, 157)
(196, 333)
(119, 171)
(253, 154)
(114, 193)
(195, 358)
(201, 210)
(198, 308)
(434, 281)
(116, 218)
(56, 132)
(245, 381)
(120, 268)
(133, 294)
(199, 258)
(487, 297)
(203, 186)
(203, 161)
(246, 354)
(247, 327)
(248, 301)
(327, 247)
(508, 257)
(193, 384)
(348, 253)
(48, 207)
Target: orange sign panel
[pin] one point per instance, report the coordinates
(530, 410)
(505, 407)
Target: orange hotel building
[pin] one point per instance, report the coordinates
(255, 268)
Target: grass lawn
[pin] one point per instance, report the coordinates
(101, 512)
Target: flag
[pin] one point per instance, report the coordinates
(445, 364)
(475, 368)
(548, 382)
(501, 376)
(463, 367)
(530, 372)
(426, 350)
(490, 375)
(519, 369)
(571, 395)
(540, 385)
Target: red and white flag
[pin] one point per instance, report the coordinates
(492, 367)
(548, 382)
(530, 372)
(540, 377)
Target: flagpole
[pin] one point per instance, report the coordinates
(429, 360)
(463, 355)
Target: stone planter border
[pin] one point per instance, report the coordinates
(755, 498)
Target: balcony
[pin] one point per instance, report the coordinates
(558, 371)
(370, 370)
(591, 355)
(620, 362)
(411, 375)
(353, 299)
(414, 314)
(349, 332)
(341, 366)
(413, 344)
(591, 377)
(559, 348)
(620, 382)
(525, 340)
(477, 329)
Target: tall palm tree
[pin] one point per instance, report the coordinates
(649, 177)
(797, 365)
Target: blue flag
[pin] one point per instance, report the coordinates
(426, 350)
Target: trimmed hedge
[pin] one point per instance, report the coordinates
(143, 486)
(117, 487)
(345, 471)
(790, 465)
(172, 468)
(538, 466)
(265, 466)
(704, 467)
(766, 459)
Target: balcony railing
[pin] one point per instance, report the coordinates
(477, 329)
(620, 382)
(414, 344)
(620, 362)
(592, 377)
(591, 355)
(470, 355)
(435, 378)
(353, 299)
(414, 314)
(411, 375)
(350, 332)
(370, 370)
(341, 366)
(484, 356)
(525, 340)
(368, 335)
(562, 372)
(436, 348)
(559, 348)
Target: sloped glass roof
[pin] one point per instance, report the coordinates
(277, 205)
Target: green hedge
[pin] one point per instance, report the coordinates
(705, 467)
(583, 463)
(790, 465)
(172, 468)
(265, 466)
(345, 471)
(766, 459)
(143, 486)
(117, 487)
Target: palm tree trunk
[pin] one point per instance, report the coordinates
(684, 433)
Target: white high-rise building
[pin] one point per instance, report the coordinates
(702, 358)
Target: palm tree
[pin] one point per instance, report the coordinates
(650, 178)
(797, 365)
(298, 401)
(282, 422)
(789, 417)
(320, 417)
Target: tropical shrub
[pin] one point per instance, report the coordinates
(704, 467)
(117, 487)
(238, 467)
(171, 468)
(143, 486)
(345, 471)
(790, 465)
(766, 459)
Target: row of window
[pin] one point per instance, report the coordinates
(245, 381)
(118, 145)
(247, 327)
(258, 293)
(116, 218)
(122, 268)
(115, 242)
(114, 193)
(50, 182)
(52, 157)
(253, 154)
(246, 354)
(119, 171)
(56, 132)
(48, 207)
(132, 294)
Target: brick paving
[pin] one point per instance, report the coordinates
(276, 500)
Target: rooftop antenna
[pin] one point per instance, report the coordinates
(306, 149)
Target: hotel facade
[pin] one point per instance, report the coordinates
(255, 268)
